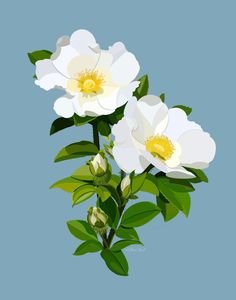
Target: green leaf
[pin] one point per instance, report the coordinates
(81, 230)
(137, 182)
(142, 89)
(181, 200)
(103, 128)
(114, 181)
(200, 175)
(83, 173)
(139, 214)
(110, 208)
(163, 97)
(79, 121)
(76, 150)
(186, 109)
(127, 233)
(177, 185)
(116, 116)
(103, 193)
(88, 247)
(123, 244)
(83, 193)
(39, 55)
(150, 185)
(116, 262)
(68, 184)
(168, 210)
(60, 124)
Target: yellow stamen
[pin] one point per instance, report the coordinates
(160, 146)
(90, 82)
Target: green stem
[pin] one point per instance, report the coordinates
(96, 136)
(148, 168)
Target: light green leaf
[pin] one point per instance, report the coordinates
(81, 230)
(60, 124)
(137, 182)
(83, 173)
(127, 233)
(200, 175)
(177, 185)
(168, 210)
(76, 150)
(68, 184)
(123, 244)
(83, 193)
(88, 247)
(163, 97)
(114, 181)
(150, 185)
(39, 55)
(103, 193)
(110, 208)
(142, 89)
(139, 214)
(116, 262)
(186, 109)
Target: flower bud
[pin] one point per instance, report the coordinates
(126, 187)
(98, 165)
(97, 219)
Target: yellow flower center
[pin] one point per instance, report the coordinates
(160, 146)
(90, 82)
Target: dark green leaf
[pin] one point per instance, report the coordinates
(177, 185)
(79, 121)
(103, 193)
(60, 124)
(168, 210)
(81, 230)
(163, 97)
(200, 175)
(139, 214)
(116, 262)
(116, 116)
(83, 193)
(88, 247)
(179, 199)
(110, 208)
(103, 128)
(142, 89)
(127, 233)
(186, 109)
(76, 150)
(137, 182)
(123, 244)
(83, 173)
(150, 185)
(68, 184)
(39, 55)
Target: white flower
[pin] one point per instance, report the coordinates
(96, 81)
(149, 133)
(98, 165)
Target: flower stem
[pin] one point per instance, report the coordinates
(148, 168)
(96, 136)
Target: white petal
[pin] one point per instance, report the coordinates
(178, 123)
(63, 107)
(150, 115)
(117, 50)
(47, 75)
(198, 148)
(113, 97)
(180, 173)
(89, 106)
(129, 159)
(124, 69)
(83, 41)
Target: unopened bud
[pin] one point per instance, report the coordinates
(97, 219)
(98, 165)
(126, 187)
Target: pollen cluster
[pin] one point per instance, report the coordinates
(160, 146)
(90, 82)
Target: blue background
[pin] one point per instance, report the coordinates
(188, 50)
